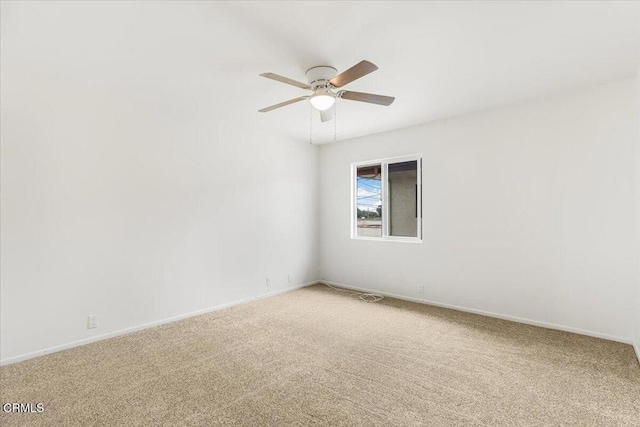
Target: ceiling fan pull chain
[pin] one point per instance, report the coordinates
(335, 121)
(310, 121)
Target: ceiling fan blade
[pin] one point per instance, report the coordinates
(367, 97)
(283, 104)
(359, 70)
(328, 114)
(286, 80)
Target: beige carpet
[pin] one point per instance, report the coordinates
(316, 357)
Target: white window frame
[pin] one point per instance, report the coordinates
(384, 165)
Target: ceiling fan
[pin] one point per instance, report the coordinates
(323, 80)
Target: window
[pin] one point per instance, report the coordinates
(387, 199)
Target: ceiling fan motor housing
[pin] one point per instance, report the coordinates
(320, 76)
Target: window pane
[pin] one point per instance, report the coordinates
(369, 201)
(403, 199)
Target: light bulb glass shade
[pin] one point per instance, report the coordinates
(322, 101)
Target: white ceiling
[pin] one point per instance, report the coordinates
(439, 59)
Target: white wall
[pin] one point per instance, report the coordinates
(130, 187)
(527, 212)
(637, 212)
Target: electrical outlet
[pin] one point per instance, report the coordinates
(421, 289)
(268, 284)
(289, 278)
(92, 322)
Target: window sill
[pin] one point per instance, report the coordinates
(389, 239)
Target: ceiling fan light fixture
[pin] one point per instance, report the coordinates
(322, 99)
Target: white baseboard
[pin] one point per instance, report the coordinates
(55, 349)
(490, 314)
